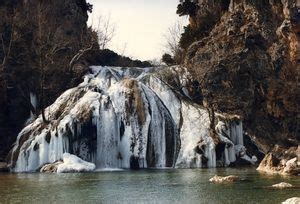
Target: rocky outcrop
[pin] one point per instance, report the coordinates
(248, 66)
(282, 164)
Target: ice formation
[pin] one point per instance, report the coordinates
(127, 118)
(72, 163)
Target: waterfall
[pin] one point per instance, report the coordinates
(127, 118)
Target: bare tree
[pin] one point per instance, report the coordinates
(172, 38)
(7, 44)
(105, 30)
(46, 50)
(40, 55)
(89, 42)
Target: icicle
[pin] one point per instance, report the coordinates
(239, 133)
(33, 101)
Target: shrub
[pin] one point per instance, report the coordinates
(168, 59)
(187, 8)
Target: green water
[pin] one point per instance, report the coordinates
(147, 186)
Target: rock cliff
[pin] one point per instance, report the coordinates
(38, 39)
(248, 64)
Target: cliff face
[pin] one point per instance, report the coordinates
(248, 65)
(39, 39)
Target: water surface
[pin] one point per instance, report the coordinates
(146, 186)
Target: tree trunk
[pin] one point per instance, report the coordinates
(212, 118)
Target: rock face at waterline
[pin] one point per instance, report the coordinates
(272, 165)
(248, 63)
(128, 118)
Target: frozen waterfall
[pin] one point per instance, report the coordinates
(127, 118)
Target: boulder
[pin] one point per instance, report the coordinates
(269, 164)
(292, 167)
(282, 185)
(295, 200)
(50, 168)
(273, 165)
(226, 179)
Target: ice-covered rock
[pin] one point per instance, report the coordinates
(72, 163)
(69, 164)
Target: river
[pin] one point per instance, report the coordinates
(145, 186)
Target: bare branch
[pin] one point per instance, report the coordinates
(78, 56)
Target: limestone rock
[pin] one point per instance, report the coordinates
(271, 164)
(222, 180)
(282, 185)
(292, 167)
(248, 65)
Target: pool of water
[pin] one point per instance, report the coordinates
(145, 186)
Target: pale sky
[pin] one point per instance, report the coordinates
(140, 24)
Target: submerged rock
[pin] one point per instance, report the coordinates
(282, 185)
(295, 200)
(227, 179)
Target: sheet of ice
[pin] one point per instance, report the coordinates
(193, 130)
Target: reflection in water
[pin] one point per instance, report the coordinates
(149, 186)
